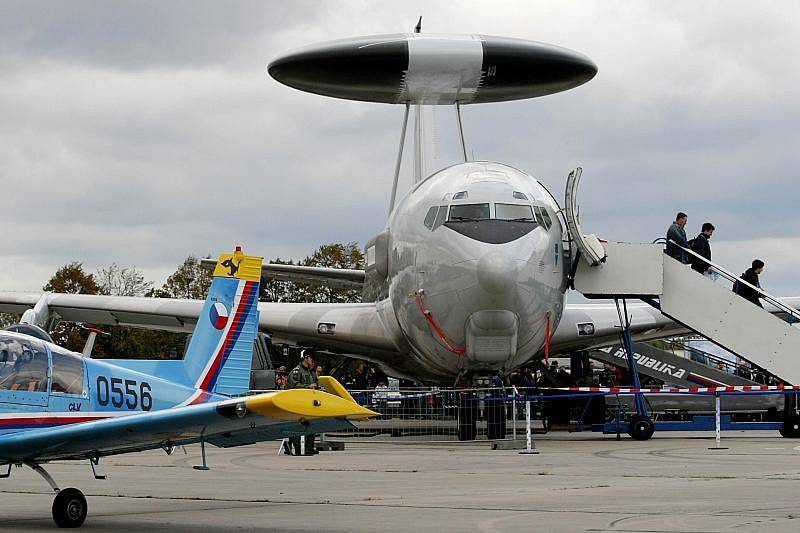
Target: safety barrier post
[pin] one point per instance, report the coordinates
(717, 424)
(514, 413)
(530, 448)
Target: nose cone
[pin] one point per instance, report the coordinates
(497, 273)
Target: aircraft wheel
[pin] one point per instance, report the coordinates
(641, 427)
(69, 508)
(791, 427)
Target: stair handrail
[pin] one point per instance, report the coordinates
(733, 278)
(744, 363)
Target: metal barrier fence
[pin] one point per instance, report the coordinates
(499, 413)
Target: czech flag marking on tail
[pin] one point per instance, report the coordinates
(219, 315)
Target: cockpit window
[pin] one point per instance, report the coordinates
(430, 218)
(67, 372)
(468, 212)
(23, 365)
(440, 217)
(514, 212)
(542, 213)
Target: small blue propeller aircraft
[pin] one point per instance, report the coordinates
(57, 405)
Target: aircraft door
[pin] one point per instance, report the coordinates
(24, 372)
(588, 245)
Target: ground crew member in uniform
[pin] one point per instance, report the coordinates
(303, 376)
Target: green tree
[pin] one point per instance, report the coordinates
(114, 280)
(8, 319)
(128, 342)
(334, 255)
(71, 279)
(191, 280)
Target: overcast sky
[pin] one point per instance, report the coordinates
(141, 132)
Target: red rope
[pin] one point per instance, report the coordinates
(429, 318)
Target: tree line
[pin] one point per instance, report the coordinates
(190, 280)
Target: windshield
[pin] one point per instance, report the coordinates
(515, 212)
(67, 372)
(23, 364)
(468, 212)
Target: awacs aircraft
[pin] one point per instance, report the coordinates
(58, 405)
(470, 273)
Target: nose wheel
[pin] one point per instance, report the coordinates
(69, 508)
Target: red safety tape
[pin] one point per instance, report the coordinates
(429, 318)
(736, 388)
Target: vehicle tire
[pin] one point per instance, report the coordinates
(791, 427)
(641, 427)
(69, 508)
(495, 420)
(467, 418)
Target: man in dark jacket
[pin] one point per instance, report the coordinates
(678, 234)
(750, 276)
(701, 247)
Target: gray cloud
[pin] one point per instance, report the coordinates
(142, 132)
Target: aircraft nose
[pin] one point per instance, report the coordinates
(497, 273)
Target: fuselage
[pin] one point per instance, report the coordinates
(474, 270)
(44, 385)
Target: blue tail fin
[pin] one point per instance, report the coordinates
(221, 350)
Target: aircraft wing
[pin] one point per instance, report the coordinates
(227, 423)
(344, 327)
(152, 313)
(338, 278)
(595, 325)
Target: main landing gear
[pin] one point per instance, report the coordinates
(69, 505)
(69, 508)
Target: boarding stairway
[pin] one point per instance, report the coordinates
(714, 311)
(764, 337)
(669, 368)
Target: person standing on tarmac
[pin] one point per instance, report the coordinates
(701, 246)
(303, 376)
(678, 234)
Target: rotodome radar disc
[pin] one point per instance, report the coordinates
(433, 69)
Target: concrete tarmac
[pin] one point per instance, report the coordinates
(579, 482)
